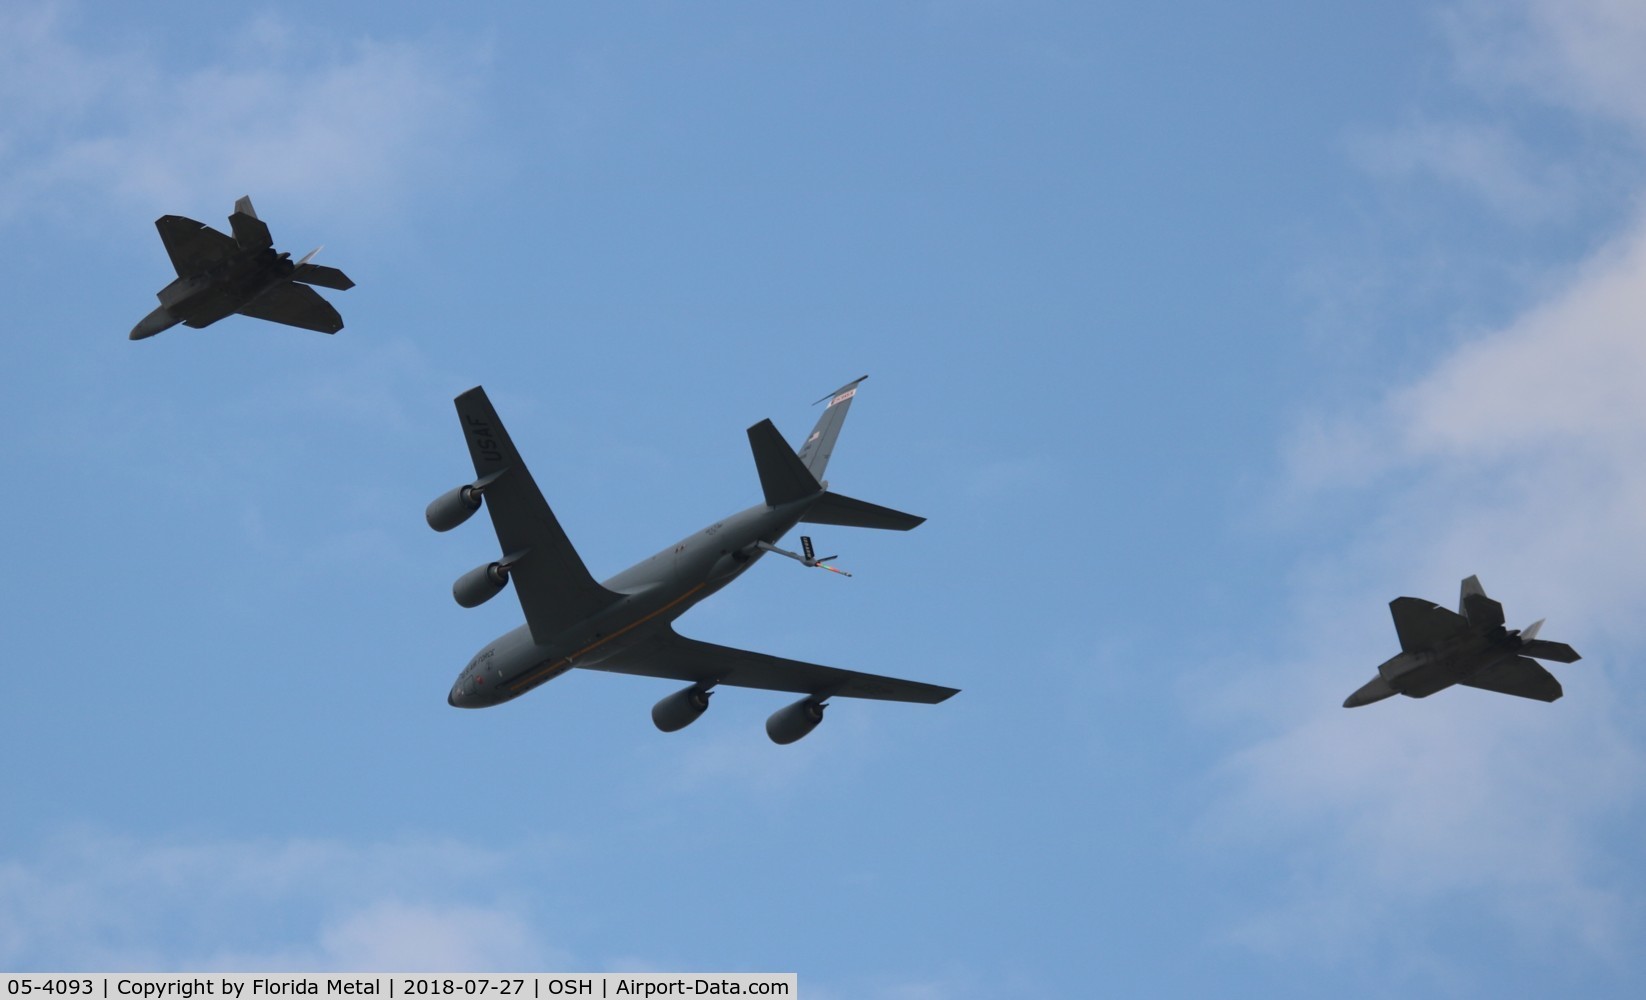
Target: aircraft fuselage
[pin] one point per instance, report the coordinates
(199, 300)
(656, 592)
(1420, 674)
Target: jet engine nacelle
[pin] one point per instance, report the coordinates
(453, 508)
(681, 709)
(480, 584)
(794, 721)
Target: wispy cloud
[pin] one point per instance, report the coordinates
(1583, 55)
(277, 110)
(1487, 161)
(1528, 444)
(93, 900)
(1528, 70)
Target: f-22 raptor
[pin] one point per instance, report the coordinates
(1440, 648)
(219, 275)
(623, 625)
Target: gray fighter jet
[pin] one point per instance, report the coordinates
(218, 275)
(622, 625)
(1471, 647)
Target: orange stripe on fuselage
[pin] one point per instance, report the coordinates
(526, 680)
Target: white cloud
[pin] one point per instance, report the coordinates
(416, 937)
(93, 901)
(1524, 65)
(277, 111)
(1577, 54)
(1526, 447)
(1487, 161)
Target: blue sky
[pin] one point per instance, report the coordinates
(1197, 333)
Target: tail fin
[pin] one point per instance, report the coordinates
(783, 477)
(814, 454)
(786, 476)
(1474, 605)
(249, 230)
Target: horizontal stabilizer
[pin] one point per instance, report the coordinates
(1543, 649)
(832, 508)
(783, 477)
(325, 277)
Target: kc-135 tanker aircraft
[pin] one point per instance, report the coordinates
(1440, 648)
(623, 624)
(220, 275)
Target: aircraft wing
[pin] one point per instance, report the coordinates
(670, 655)
(193, 246)
(294, 305)
(1522, 677)
(1424, 624)
(554, 587)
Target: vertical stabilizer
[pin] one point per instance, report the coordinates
(814, 454)
(783, 477)
(1471, 588)
(1473, 604)
(786, 476)
(249, 231)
